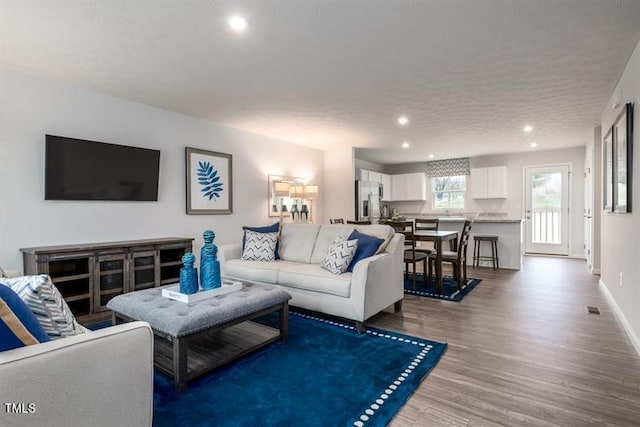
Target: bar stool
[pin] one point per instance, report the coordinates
(477, 243)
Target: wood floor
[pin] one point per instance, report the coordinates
(523, 351)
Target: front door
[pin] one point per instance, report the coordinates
(547, 209)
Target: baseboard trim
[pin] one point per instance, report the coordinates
(621, 317)
(577, 256)
(595, 271)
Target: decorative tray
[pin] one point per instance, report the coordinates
(173, 292)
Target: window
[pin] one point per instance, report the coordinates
(448, 191)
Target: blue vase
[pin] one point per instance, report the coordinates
(210, 277)
(188, 275)
(207, 237)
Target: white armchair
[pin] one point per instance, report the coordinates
(102, 378)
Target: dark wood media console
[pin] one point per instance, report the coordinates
(89, 275)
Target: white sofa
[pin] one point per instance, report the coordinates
(375, 283)
(101, 378)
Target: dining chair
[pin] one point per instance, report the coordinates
(336, 221)
(411, 256)
(429, 224)
(458, 259)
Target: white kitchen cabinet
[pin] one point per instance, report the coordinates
(381, 178)
(387, 194)
(374, 177)
(489, 183)
(409, 186)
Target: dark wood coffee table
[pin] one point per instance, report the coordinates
(196, 338)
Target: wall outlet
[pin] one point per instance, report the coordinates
(621, 278)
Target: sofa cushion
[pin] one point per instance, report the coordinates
(258, 271)
(18, 326)
(339, 256)
(46, 303)
(314, 278)
(260, 246)
(367, 246)
(273, 228)
(325, 235)
(297, 241)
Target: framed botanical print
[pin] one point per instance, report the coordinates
(208, 179)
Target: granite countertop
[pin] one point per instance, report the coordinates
(481, 219)
(478, 218)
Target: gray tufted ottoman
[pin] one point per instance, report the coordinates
(206, 324)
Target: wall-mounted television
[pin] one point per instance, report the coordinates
(77, 169)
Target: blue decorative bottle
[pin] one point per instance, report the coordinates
(210, 277)
(207, 237)
(188, 275)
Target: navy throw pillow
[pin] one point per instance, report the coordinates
(367, 246)
(274, 228)
(18, 325)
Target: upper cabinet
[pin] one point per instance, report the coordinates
(387, 194)
(489, 183)
(375, 176)
(409, 187)
(401, 187)
(379, 177)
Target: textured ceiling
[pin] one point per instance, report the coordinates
(469, 74)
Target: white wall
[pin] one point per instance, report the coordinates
(339, 183)
(31, 108)
(513, 204)
(620, 237)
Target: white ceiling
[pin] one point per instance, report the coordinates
(469, 74)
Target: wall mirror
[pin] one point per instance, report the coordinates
(280, 193)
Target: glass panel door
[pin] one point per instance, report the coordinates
(110, 274)
(547, 210)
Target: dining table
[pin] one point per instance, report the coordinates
(437, 237)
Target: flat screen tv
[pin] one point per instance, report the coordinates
(77, 169)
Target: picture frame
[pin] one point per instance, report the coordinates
(607, 171)
(623, 160)
(209, 185)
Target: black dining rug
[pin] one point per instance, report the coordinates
(449, 292)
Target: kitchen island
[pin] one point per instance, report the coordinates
(508, 230)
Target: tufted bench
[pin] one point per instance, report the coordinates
(180, 323)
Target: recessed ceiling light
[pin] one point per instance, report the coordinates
(528, 128)
(403, 120)
(405, 144)
(238, 23)
(533, 145)
(431, 156)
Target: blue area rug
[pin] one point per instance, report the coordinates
(450, 290)
(324, 374)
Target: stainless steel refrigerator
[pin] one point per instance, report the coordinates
(368, 196)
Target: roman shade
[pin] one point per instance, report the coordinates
(448, 167)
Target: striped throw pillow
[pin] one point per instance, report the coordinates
(260, 246)
(47, 304)
(339, 255)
